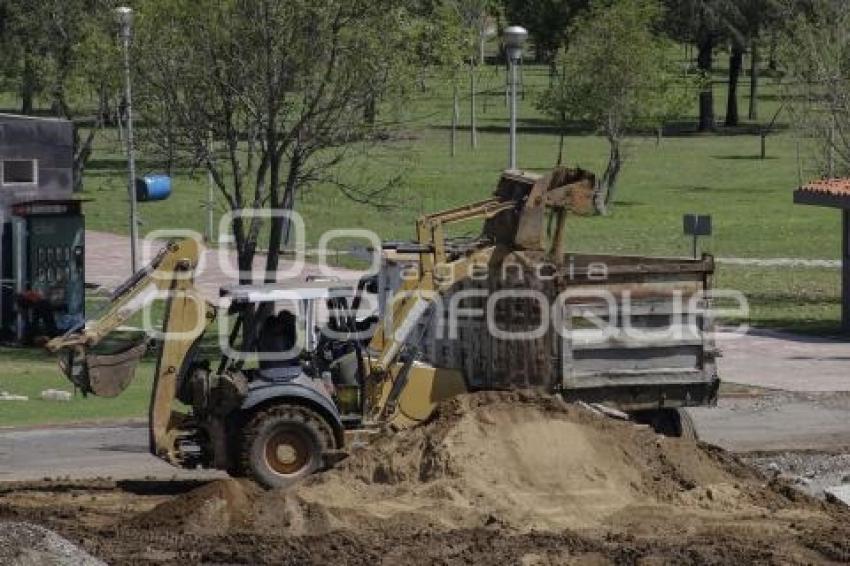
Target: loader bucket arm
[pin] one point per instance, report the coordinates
(515, 219)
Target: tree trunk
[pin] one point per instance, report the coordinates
(562, 133)
(481, 40)
(753, 114)
(604, 200)
(561, 146)
(27, 87)
(736, 62)
(473, 128)
(455, 114)
(706, 96)
(774, 45)
(370, 109)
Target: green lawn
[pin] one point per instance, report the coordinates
(718, 174)
(29, 372)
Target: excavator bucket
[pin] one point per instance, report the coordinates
(560, 190)
(103, 375)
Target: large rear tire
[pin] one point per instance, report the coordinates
(676, 423)
(282, 444)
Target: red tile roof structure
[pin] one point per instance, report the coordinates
(825, 192)
(838, 187)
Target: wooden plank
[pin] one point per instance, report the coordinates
(683, 336)
(589, 362)
(651, 307)
(671, 376)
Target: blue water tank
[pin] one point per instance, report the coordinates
(153, 187)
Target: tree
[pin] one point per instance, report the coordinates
(473, 16)
(547, 22)
(699, 22)
(62, 50)
(454, 30)
(289, 91)
(617, 75)
(745, 20)
(815, 52)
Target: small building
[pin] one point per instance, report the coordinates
(42, 234)
(834, 193)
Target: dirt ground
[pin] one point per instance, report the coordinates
(493, 479)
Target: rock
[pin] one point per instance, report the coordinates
(6, 396)
(55, 395)
(838, 494)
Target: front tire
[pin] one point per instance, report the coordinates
(282, 444)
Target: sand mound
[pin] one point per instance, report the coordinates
(514, 460)
(219, 506)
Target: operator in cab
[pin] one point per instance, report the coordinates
(279, 357)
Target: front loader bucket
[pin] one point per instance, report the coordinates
(104, 375)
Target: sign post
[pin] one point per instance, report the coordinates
(696, 225)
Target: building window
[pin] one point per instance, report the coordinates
(19, 172)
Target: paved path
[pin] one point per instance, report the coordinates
(108, 264)
(120, 452)
(777, 421)
(781, 360)
(780, 262)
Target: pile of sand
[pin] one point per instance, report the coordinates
(513, 460)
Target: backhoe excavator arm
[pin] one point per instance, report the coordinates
(187, 314)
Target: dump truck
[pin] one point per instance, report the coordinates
(508, 309)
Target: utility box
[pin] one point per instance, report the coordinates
(42, 230)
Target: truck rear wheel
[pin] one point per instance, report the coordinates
(283, 444)
(669, 422)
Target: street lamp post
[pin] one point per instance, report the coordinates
(513, 37)
(124, 16)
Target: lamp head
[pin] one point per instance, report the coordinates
(124, 17)
(514, 38)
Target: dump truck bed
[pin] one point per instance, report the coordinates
(628, 331)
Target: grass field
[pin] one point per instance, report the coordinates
(718, 174)
(29, 372)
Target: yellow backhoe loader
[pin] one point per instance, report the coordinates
(281, 422)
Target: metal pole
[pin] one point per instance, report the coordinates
(131, 158)
(830, 162)
(210, 199)
(512, 143)
(473, 135)
(845, 271)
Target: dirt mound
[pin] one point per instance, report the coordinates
(223, 505)
(514, 460)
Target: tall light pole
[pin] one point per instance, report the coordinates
(124, 16)
(513, 38)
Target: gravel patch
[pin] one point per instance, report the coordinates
(25, 544)
(811, 472)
